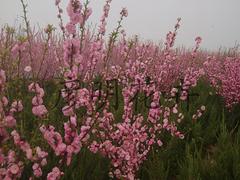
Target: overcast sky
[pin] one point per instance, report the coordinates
(216, 21)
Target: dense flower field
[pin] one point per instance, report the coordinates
(82, 105)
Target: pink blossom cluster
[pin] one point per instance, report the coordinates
(77, 15)
(74, 12)
(19, 48)
(10, 167)
(3, 104)
(7, 114)
(37, 156)
(127, 143)
(102, 26)
(71, 144)
(171, 36)
(224, 76)
(191, 78)
(38, 109)
(55, 174)
(199, 113)
(32, 50)
(9, 119)
(198, 41)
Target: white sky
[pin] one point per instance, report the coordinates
(216, 21)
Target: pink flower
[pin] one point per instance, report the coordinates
(89, 12)
(175, 111)
(37, 100)
(4, 101)
(76, 18)
(14, 169)
(71, 28)
(10, 121)
(28, 151)
(124, 12)
(37, 171)
(28, 69)
(203, 108)
(16, 106)
(41, 154)
(44, 162)
(39, 110)
(159, 142)
(18, 47)
(33, 87)
(40, 92)
(60, 148)
(68, 111)
(11, 156)
(55, 174)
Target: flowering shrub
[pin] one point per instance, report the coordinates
(224, 76)
(74, 62)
